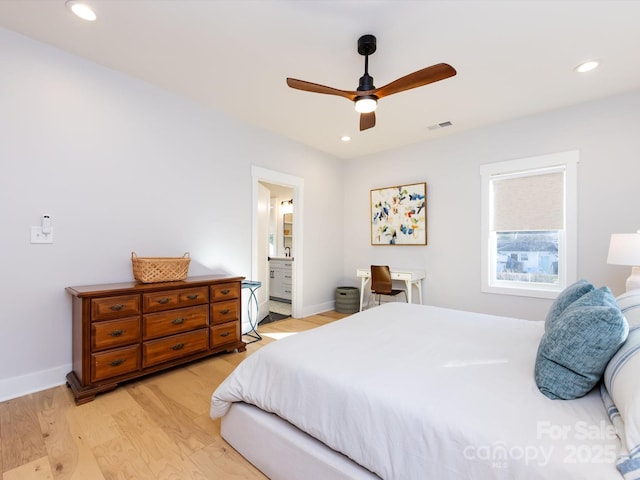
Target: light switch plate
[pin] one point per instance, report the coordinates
(38, 237)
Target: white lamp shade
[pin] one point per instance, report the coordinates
(624, 249)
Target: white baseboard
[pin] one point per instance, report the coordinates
(33, 382)
(319, 308)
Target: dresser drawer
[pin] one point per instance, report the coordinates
(113, 363)
(193, 296)
(115, 333)
(154, 302)
(224, 333)
(114, 307)
(225, 291)
(183, 297)
(174, 347)
(179, 320)
(223, 312)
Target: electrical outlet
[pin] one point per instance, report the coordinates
(38, 237)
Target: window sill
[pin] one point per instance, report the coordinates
(550, 293)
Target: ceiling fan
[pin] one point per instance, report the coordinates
(366, 96)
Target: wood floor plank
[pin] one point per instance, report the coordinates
(158, 451)
(212, 371)
(69, 456)
(98, 426)
(22, 440)
(220, 460)
(120, 460)
(153, 428)
(185, 388)
(86, 466)
(188, 432)
(38, 469)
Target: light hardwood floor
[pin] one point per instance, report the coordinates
(153, 428)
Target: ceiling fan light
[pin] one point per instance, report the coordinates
(366, 104)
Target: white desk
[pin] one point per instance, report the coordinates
(410, 278)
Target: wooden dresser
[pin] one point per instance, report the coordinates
(123, 331)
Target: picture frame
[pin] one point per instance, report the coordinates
(398, 215)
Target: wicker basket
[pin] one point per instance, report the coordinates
(159, 269)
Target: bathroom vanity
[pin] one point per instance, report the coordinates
(280, 274)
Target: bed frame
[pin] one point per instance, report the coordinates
(283, 452)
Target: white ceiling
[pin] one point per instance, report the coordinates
(513, 57)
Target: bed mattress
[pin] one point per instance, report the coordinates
(415, 392)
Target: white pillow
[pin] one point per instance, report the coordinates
(629, 304)
(622, 382)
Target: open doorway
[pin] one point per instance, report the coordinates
(281, 251)
(277, 242)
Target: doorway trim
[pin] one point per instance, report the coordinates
(297, 184)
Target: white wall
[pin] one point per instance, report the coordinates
(121, 166)
(605, 132)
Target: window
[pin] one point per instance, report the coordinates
(529, 225)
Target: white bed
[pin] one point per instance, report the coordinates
(411, 392)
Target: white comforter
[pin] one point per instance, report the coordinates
(420, 392)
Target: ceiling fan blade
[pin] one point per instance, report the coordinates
(367, 120)
(317, 88)
(431, 74)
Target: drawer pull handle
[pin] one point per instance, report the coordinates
(224, 334)
(177, 321)
(226, 291)
(163, 301)
(225, 311)
(178, 346)
(117, 307)
(117, 363)
(116, 333)
(192, 296)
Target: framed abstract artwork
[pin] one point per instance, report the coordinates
(399, 215)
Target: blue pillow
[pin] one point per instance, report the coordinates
(567, 297)
(575, 349)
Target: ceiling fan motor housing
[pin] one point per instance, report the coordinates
(366, 46)
(366, 83)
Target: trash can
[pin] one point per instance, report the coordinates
(347, 299)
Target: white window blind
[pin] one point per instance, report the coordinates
(529, 202)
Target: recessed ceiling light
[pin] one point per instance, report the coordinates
(81, 10)
(587, 66)
(345, 138)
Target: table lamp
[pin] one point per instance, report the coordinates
(624, 249)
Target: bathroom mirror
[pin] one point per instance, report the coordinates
(287, 233)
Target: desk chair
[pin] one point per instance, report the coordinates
(381, 283)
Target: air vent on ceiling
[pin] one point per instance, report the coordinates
(440, 125)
